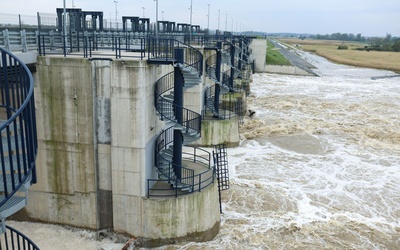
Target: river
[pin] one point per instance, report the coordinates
(318, 167)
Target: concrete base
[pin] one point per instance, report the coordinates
(194, 217)
(287, 70)
(214, 132)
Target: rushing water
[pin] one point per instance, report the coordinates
(318, 167)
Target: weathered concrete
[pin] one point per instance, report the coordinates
(287, 70)
(192, 217)
(96, 128)
(216, 131)
(259, 54)
(29, 57)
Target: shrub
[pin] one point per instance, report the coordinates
(396, 46)
(343, 47)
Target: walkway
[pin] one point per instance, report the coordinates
(294, 59)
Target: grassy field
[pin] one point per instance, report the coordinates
(328, 49)
(274, 57)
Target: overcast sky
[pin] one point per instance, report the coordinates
(368, 17)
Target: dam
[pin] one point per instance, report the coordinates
(121, 119)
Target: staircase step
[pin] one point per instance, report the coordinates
(166, 157)
(13, 205)
(178, 127)
(167, 152)
(162, 165)
(183, 187)
(168, 97)
(170, 122)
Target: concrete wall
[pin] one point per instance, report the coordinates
(259, 54)
(96, 128)
(215, 132)
(66, 192)
(287, 70)
(188, 218)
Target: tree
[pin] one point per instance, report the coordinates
(396, 46)
(388, 37)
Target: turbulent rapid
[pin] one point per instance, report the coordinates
(318, 166)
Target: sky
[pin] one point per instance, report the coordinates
(368, 17)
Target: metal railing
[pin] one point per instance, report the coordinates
(14, 239)
(194, 182)
(19, 146)
(19, 40)
(89, 44)
(163, 49)
(228, 109)
(166, 107)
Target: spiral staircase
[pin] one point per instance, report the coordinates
(223, 82)
(183, 126)
(18, 149)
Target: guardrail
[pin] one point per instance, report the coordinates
(14, 239)
(19, 146)
(196, 182)
(89, 44)
(19, 40)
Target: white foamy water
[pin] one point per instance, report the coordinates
(318, 167)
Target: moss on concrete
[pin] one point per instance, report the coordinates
(196, 237)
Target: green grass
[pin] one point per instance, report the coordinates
(274, 57)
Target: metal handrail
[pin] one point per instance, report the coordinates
(18, 149)
(14, 239)
(88, 43)
(227, 110)
(211, 67)
(196, 182)
(193, 58)
(163, 48)
(226, 79)
(191, 119)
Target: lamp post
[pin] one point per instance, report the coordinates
(162, 15)
(143, 11)
(191, 16)
(208, 16)
(219, 17)
(226, 22)
(156, 17)
(116, 13)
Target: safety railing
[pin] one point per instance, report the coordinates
(195, 182)
(161, 48)
(89, 44)
(211, 67)
(19, 146)
(166, 107)
(18, 40)
(228, 108)
(14, 239)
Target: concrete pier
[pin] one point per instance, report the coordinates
(97, 127)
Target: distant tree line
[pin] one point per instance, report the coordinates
(387, 43)
(341, 36)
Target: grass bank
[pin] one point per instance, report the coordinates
(274, 57)
(328, 49)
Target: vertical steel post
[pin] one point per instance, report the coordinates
(218, 75)
(65, 30)
(178, 110)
